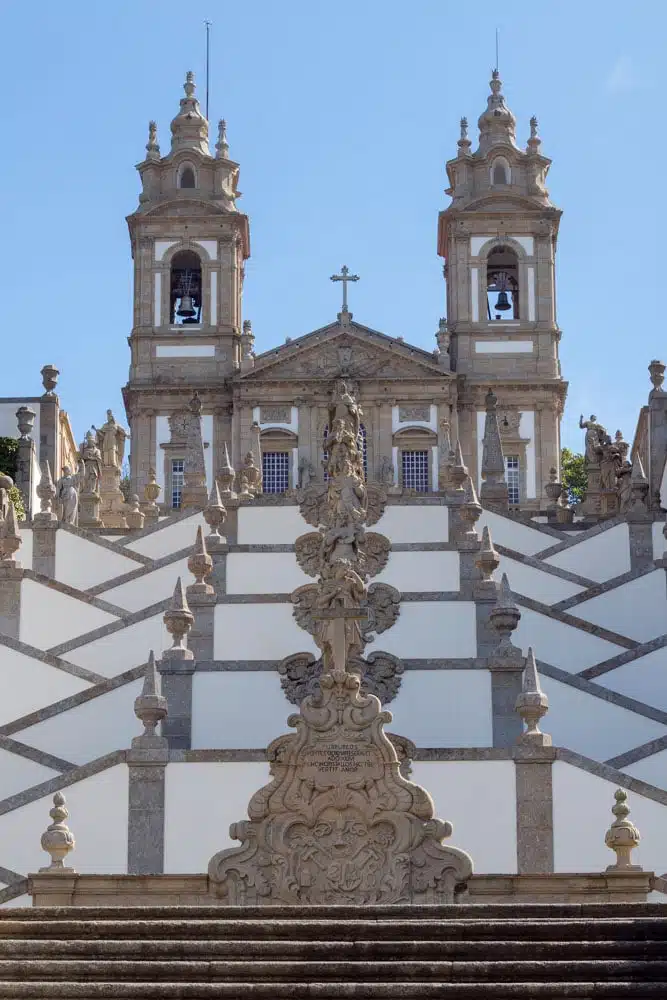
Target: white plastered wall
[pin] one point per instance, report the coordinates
(401, 524)
(561, 645)
(511, 534)
(150, 588)
(171, 538)
(637, 609)
(90, 730)
(430, 630)
(258, 632)
(201, 801)
(478, 798)
(49, 617)
(582, 815)
(264, 573)
(128, 647)
(644, 679)
(536, 584)
(421, 571)
(238, 709)
(98, 811)
(600, 557)
(29, 684)
(82, 564)
(444, 708)
(270, 525)
(592, 726)
(17, 773)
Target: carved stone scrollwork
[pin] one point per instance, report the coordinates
(381, 603)
(369, 549)
(313, 503)
(380, 675)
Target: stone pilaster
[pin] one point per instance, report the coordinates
(44, 528)
(11, 577)
(534, 809)
(176, 673)
(385, 436)
(25, 471)
(49, 421)
(657, 429)
(505, 687)
(147, 760)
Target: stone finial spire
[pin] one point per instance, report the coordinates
(469, 511)
(534, 142)
(459, 470)
(195, 493)
(222, 146)
(200, 565)
(488, 559)
(497, 125)
(150, 707)
(189, 129)
(226, 476)
(464, 143)
(178, 618)
(215, 514)
(532, 704)
(152, 148)
(622, 836)
(10, 536)
(494, 487)
(46, 492)
(58, 840)
(505, 617)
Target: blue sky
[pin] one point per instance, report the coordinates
(341, 116)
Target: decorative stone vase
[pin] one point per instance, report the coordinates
(49, 378)
(25, 417)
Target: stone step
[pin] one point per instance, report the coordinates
(309, 972)
(324, 951)
(622, 928)
(481, 990)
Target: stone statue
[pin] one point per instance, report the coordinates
(344, 411)
(386, 471)
(111, 441)
(595, 434)
(610, 463)
(67, 492)
(91, 457)
(306, 472)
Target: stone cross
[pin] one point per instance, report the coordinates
(344, 276)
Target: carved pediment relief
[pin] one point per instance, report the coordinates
(349, 354)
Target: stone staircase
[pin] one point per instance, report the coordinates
(452, 952)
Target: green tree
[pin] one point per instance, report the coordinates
(573, 475)
(9, 456)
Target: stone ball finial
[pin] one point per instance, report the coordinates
(49, 375)
(58, 840)
(622, 836)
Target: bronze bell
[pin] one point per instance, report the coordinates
(186, 307)
(503, 303)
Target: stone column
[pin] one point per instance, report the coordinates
(385, 437)
(147, 761)
(25, 417)
(657, 430)
(49, 422)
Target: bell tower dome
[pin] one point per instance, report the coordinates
(189, 244)
(498, 237)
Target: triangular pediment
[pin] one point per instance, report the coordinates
(345, 350)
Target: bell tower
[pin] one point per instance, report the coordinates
(498, 237)
(189, 243)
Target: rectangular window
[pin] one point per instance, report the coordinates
(275, 471)
(512, 478)
(177, 482)
(415, 470)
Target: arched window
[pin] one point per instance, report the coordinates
(185, 288)
(500, 171)
(187, 177)
(502, 284)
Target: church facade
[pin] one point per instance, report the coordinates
(498, 241)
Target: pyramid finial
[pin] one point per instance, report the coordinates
(488, 559)
(532, 704)
(494, 488)
(622, 836)
(226, 476)
(200, 565)
(150, 707)
(178, 618)
(505, 617)
(215, 514)
(222, 146)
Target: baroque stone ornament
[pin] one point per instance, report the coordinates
(58, 840)
(339, 823)
(622, 836)
(380, 675)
